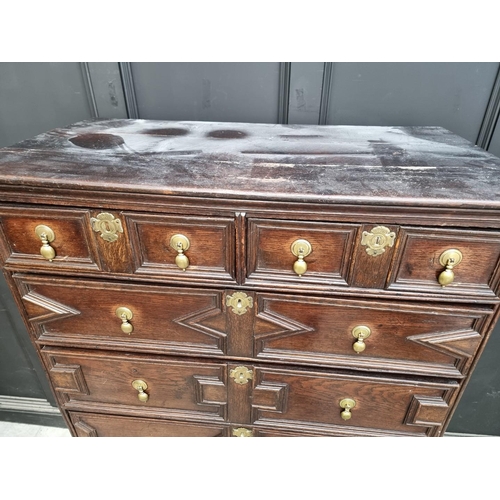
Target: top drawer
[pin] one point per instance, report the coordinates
(447, 262)
(300, 252)
(157, 246)
(63, 236)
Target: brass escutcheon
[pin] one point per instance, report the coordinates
(180, 244)
(107, 225)
(361, 333)
(125, 314)
(450, 259)
(239, 302)
(46, 236)
(241, 374)
(300, 248)
(347, 404)
(377, 240)
(242, 432)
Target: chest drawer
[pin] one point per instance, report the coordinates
(423, 255)
(395, 337)
(300, 252)
(92, 313)
(138, 385)
(183, 248)
(96, 425)
(48, 239)
(348, 404)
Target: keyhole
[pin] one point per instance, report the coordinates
(238, 305)
(377, 240)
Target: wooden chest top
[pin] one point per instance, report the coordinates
(417, 166)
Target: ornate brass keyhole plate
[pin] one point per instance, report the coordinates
(242, 432)
(107, 225)
(377, 240)
(239, 302)
(241, 375)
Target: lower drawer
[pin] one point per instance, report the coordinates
(311, 402)
(136, 385)
(95, 425)
(348, 404)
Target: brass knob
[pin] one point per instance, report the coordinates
(347, 404)
(361, 333)
(301, 249)
(125, 314)
(180, 243)
(140, 386)
(46, 236)
(450, 259)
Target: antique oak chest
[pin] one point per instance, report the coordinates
(229, 279)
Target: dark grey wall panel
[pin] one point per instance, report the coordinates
(495, 141)
(479, 409)
(451, 95)
(21, 373)
(36, 97)
(207, 91)
(107, 89)
(305, 92)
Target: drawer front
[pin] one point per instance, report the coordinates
(68, 242)
(99, 425)
(96, 425)
(207, 246)
(354, 334)
(88, 313)
(313, 401)
(176, 389)
(417, 263)
(271, 247)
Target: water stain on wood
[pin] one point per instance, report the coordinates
(97, 141)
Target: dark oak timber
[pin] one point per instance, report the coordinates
(242, 194)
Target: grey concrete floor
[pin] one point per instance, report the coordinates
(9, 429)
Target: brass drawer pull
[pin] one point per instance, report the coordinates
(46, 235)
(140, 386)
(361, 333)
(125, 314)
(301, 249)
(347, 404)
(449, 259)
(180, 243)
